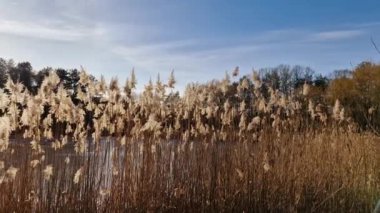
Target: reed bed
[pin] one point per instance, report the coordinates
(223, 146)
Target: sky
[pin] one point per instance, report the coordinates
(199, 39)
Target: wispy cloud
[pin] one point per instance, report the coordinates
(102, 37)
(337, 35)
(193, 58)
(49, 31)
(162, 56)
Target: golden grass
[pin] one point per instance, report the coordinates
(219, 147)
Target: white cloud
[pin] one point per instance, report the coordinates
(337, 35)
(50, 31)
(161, 57)
(120, 42)
(199, 58)
(209, 58)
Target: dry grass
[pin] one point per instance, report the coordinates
(219, 147)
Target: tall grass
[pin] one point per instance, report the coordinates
(222, 146)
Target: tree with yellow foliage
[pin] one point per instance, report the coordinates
(360, 94)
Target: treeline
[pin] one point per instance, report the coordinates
(23, 72)
(358, 90)
(284, 78)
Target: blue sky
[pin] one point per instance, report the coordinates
(199, 39)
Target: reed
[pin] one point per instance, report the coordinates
(222, 146)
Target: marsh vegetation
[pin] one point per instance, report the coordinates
(236, 144)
